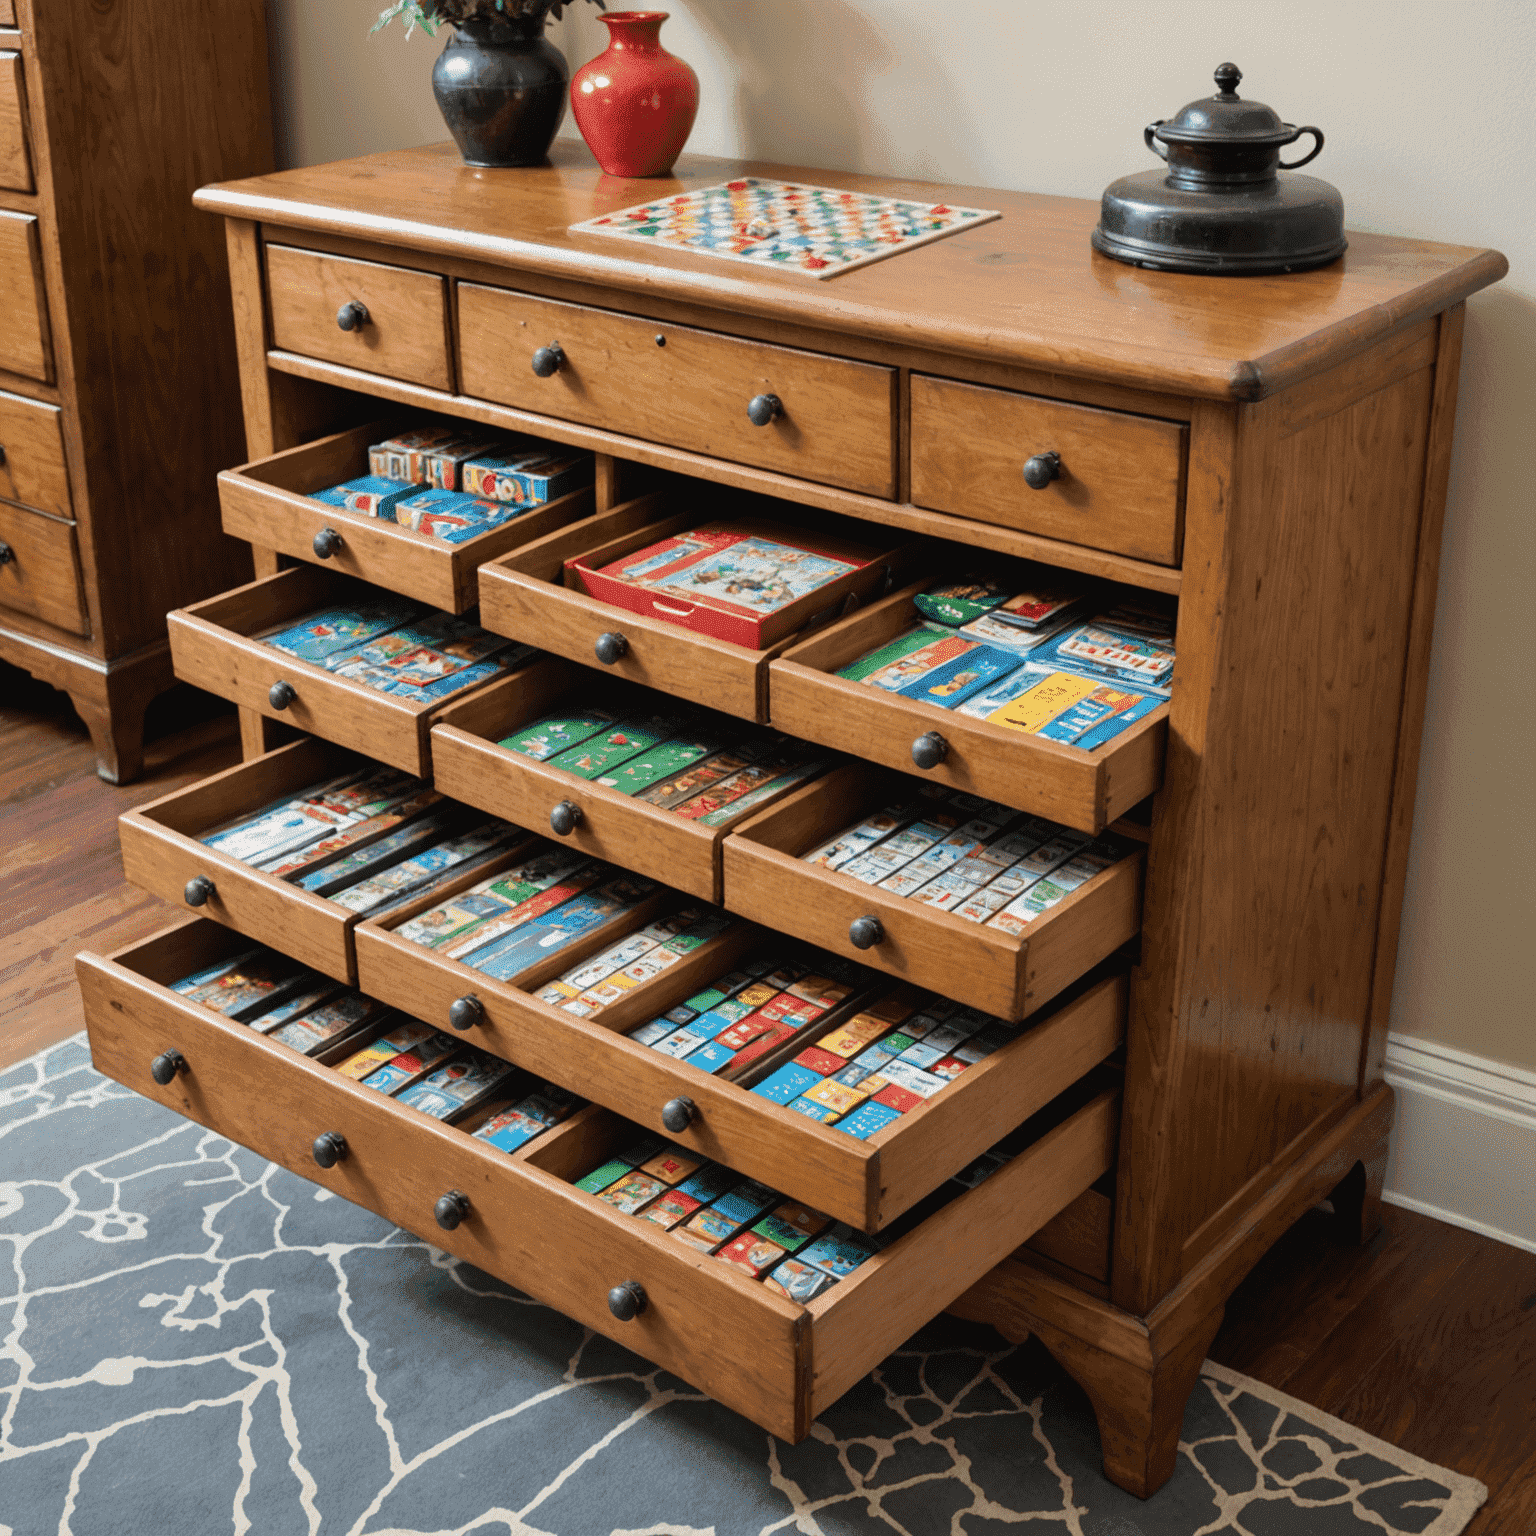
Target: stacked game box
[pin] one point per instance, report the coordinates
(700, 766)
(1020, 654)
(972, 857)
(396, 646)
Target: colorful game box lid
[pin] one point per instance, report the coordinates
(328, 631)
(431, 455)
(528, 476)
(371, 495)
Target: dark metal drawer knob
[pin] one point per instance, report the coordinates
(466, 1012)
(451, 1209)
(929, 750)
(197, 891)
(166, 1065)
(329, 1148)
(865, 932)
(352, 316)
(1041, 470)
(611, 647)
(549, 360)
(627, 1300)
(763, 409)
(565, 818)
(326, 543)
(679, 1113)
(280, 695)
(7, 554)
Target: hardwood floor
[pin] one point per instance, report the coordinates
(1425, 1337)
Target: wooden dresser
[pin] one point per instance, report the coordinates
(118, 392)
(1272, 451)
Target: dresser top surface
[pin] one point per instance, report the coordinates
(1025, 289)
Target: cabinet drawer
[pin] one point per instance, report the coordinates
(32, 455)
(267, 502)
(404, 334)
(471, 765)
(1085, 790)
(1120, 485)
(40, 573)
(974, 963)
(779, 1363)
(685, 387)
(214, 645)
(7, 13)
(523, 595)
(25, 347)
(865, 1183)
(15, 163)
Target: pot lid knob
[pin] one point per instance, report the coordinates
(1228, 77)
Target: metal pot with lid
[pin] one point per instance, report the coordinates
(1226, 204)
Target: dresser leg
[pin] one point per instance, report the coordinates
(117, 735)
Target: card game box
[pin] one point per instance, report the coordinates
(431, 455)
(528, 476)
(745, 582)
(328, 631)
(452, 516)
(370, 495)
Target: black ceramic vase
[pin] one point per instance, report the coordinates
(501, 87)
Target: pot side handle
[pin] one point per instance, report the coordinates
(1149, 133)
(1317, 148)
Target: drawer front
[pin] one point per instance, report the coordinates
(40, 569)
(1085, 790)
(684, 387)
(25, 347)
(776, 1362)
(7, 13)
(404, 335)
(267, 502)
(32, 455)
(1120, 485)
(767, 881)
(471, 767)
(15, 163)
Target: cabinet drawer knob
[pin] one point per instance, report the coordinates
(929, 750)
(1041, 470)
(466, 1012)
(565, 818)
(280, 695)
(326, 543)
(7, 554)
(352, 316)
(865, 932)
(329, 1148)
(627, 1300)
(166, 1065)
(197, 891)
(611, 647)
(451, 1209)
(679, 1113)
(763, 409)
(548, 361)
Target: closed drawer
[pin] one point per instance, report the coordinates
(215, 645)
(1120, 480)
(867, 1183)
(403, 333)
(524, 595)
(778, 1363)
(7, 13)
(472, 766)
(15, 162)
(1001, 973)
(1084, 790)
(267, 502)
(32, 455)
(688, 388)
(40, 569)
(25, 347)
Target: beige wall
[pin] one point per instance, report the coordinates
(1431, 122)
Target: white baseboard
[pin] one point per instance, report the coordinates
(1464, 1145)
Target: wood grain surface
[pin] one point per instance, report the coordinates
(42, 576)
(15, 162)
(25, 343)
(32, 468)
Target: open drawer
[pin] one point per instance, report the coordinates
(216, 645)
(521, 1218)
(683, 851)
(1085, 790)
(867, 1183)
(529, 595)
(1001, 972)
(268, 502)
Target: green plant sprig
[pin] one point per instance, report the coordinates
(431, 14)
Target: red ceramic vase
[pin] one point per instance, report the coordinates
(635, 104)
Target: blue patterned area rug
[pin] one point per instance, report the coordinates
(197, 1342)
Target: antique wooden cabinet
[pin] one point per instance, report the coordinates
(118, 392)
(1271, 451)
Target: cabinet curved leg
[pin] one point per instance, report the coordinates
(117, 735)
